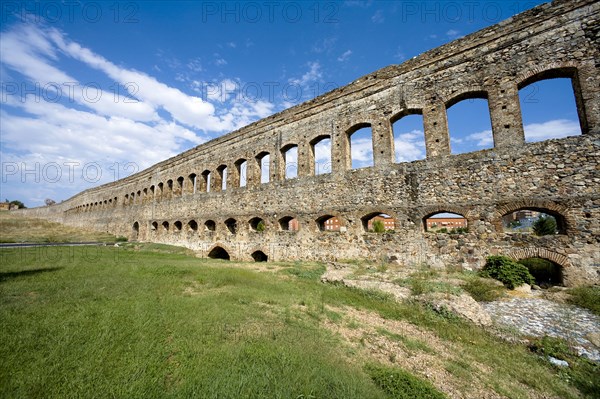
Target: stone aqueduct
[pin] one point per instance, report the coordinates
(169, 202)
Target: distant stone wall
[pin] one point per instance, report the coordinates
(560, 177)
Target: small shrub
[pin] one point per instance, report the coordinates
(509, 272)
(260, 226)
(586, 297)
(121, 239)
(483, 290)
(544, 226)
(400, 384)
(378, 226)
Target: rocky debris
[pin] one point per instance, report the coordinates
(558, 362)
(339, 273)
(525, 288)
(538, 317)
(461, 305)
(399, 293)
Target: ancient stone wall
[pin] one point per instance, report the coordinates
(560, 177)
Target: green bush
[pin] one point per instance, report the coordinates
(509, 272)
(400, 384)
(121, 239)
(586, 297)
(483, 290)
(378, 226)
(260, 226)
(544, 226)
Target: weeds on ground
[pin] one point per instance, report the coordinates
(581, 372)
(399, 384)
(586, 297)
(483, 290)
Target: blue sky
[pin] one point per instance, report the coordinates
(94, 91)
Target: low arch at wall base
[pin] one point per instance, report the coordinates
(543, 253)
(219, 252)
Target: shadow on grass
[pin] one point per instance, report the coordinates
(23, 273)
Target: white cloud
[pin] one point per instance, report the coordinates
(483, 139)
(324, 45)
(345, 56)
(552, 129)
(452, 34)
(313, 74)
(378, 17)
(409, 146)
(148, 121)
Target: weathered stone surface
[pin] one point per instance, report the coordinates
(462, 305)
(561, 176)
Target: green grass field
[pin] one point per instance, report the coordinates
(153, 321)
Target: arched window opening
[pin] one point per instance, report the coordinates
(165, 226)
(321, 153)
(178, 225)
(378, 222)
(288, 223)
(179, 186)
(545, 272)
(210, 225)
(154, 226)
(135, 230)
(192, 226)
(537, 221)
(152, 192)
(328, 223)
(409, 136)
(445, 222)
(145, 196)
(257, 224)
(161, 190)
(131, 199)
(222, 174)
(139, 197)
(169, 188)
(360, 141)
(469, 123)
(231, 225)
(206, 180)
(126, 201)
(549, 108)
(241, 166)
(191, 184)
(264, 163)
(259, 256)
(290, 161)
(218, 253)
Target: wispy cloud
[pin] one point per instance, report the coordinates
(378, 17)
(552, 129)
(136, 118)
(345, 56)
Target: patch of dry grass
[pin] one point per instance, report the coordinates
(15, 228)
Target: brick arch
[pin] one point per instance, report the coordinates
(467, 93)
(536, 252)
(565, 224)
(432, 210)
(405, 112)
(546, 71)
(367, 214)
